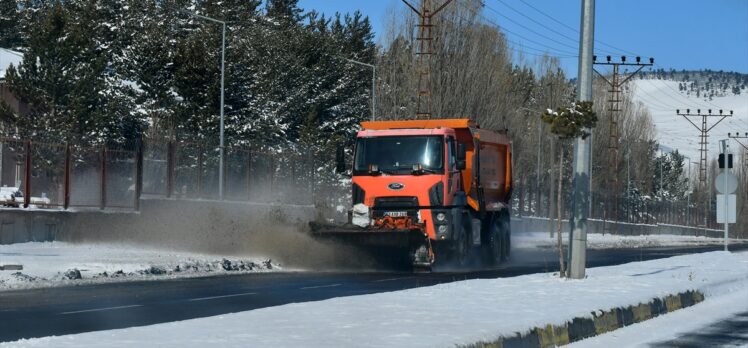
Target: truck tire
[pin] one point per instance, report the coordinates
(506, 235)
(464, 244)
(492, 246)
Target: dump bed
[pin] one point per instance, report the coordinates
(488, 175)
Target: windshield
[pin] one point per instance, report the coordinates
(397, 155)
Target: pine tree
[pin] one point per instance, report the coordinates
(10, 24)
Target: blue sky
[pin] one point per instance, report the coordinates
(680, 34)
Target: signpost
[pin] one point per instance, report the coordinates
(726, 184)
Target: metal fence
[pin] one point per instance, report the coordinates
(650, 210)
(48, 175)
(45, 175)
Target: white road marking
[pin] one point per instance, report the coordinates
(389, 279)
(100, 309)
(222, 296)
(320, 286)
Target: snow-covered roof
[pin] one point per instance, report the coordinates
(8, 57)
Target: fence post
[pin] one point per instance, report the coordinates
(138, 173)
(169, 168)
(27, 176)
(249, 175)
(102, 156)
(200, 171)
(66, 180)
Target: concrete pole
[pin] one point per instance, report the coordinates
(582, 147)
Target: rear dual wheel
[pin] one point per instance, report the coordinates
(496, 248)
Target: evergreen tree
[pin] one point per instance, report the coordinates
(10, 24)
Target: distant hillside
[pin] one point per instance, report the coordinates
(665, 91)
(707, 84)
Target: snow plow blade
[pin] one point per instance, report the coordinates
(367, 237)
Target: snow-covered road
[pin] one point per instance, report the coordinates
(438, 316)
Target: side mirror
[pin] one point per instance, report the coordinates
(340, 160)
(461, 156)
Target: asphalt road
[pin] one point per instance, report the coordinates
(731, 332)
(75, 309)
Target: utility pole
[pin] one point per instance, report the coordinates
(725, 194)
(614, 107)
(580, 203)
(738, 136)
(424, 52)
(704, 135)
(373, 82)
(223, 60)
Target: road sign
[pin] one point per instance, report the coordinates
(730, 210)
(726, 183)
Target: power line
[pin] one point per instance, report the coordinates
(573, 29)
(503, 29)
(527, 28)
(575, 40)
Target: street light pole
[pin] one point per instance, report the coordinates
(223, 61)
(373, 83)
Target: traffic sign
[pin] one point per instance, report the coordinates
(730, 210)
(726, 183)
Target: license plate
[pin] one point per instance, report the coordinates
(396, 213)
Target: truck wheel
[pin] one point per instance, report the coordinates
(506, 236)
(492, 249)
(462, 249)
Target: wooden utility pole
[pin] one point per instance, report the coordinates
(425, 49)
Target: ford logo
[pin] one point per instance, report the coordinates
(395, 186)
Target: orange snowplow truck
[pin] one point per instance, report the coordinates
(426, 191)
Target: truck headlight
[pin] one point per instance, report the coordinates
(441, 217)
(442, 229)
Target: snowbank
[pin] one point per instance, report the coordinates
(58, 263)
(439, 316)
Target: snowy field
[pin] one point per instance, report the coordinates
(530, 240)
(438, 316)
(58, 263)
(674, 132)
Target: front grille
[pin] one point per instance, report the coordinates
(392, 204)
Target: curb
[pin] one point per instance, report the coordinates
(600, 322)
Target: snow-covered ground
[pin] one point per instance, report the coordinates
(662, 98)
(609, 241)
(438, 316)
(58, 263)
(674, 325)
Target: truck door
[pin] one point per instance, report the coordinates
(453, 175)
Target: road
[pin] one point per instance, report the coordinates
(731, 332)
(76, 309)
